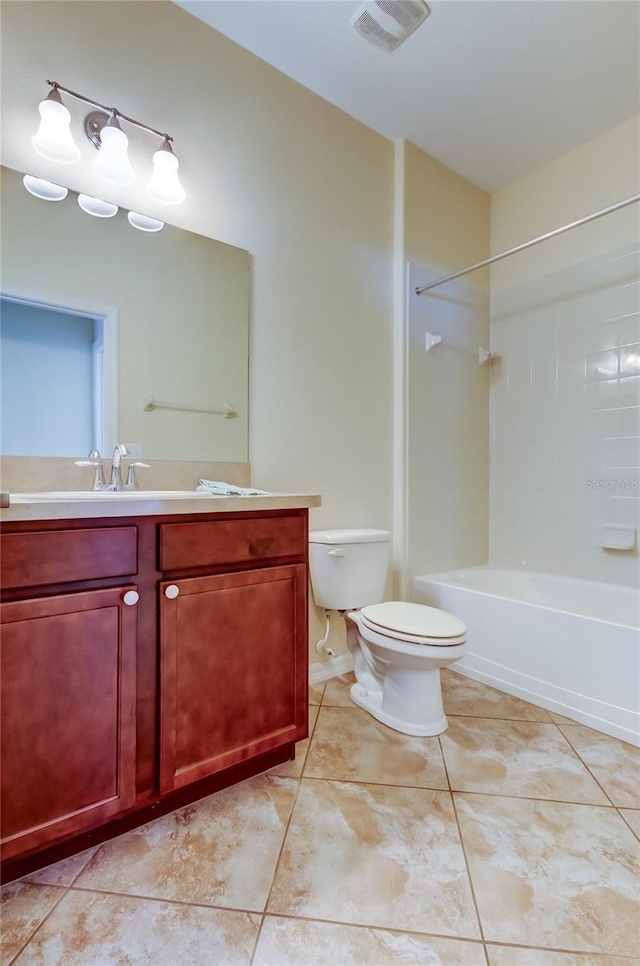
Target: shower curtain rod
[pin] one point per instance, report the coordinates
(421, 289)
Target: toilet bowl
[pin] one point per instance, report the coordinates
(398, 648)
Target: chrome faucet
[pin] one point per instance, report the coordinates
(119, 451)
(94, 460)
(132, 482)
(115, 484)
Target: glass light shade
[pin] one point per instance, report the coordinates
(164, 184)
(112, 162)
(97, 207)
(53, 139)
(44, 189)
(144, 222)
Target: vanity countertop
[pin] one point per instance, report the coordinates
(119, 506)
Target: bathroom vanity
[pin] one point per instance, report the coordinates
(152, 652)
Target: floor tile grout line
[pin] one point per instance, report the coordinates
(310, 740)
(571, 752)
(527, 798)
(533, 798)
(371, 925)
(94, 890)
(257, 940)
(90, 862)
(586, 765)
(559, 949)
(369, 781)
(462, 714)
(284, 838)
(462, 846)
(450, 714)
(493, 717)
(454, 714)
(280, 915)
(63, 890)
(619, 810)
(576, 755)
(465, 791)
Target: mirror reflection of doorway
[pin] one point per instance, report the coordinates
(52, 380)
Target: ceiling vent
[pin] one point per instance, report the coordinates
(387, 23)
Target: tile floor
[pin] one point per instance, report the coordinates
(511, 840)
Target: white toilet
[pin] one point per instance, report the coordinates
(398, 648)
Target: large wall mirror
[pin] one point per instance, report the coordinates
(169, 309)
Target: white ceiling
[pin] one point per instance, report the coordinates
(492, 88)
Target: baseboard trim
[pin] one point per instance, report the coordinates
(323, 670)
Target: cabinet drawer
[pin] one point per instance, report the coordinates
(186, 545)
(61, 556)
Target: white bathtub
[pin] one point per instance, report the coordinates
(571, 646)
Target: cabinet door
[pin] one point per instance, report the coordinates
(68, 714)
(234, 669)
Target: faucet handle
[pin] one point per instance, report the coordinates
(98, 479)
(132, 483)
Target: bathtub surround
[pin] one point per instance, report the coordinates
(565, 394)
(395, 856)
(566, 419)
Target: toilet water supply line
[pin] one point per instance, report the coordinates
(322, 646)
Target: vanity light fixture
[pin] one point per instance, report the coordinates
(103, 128)
(45, 190)
(112, 162)
(97, 207)
(165, 184)
(48, 191)
(53, 139)
(144, 222)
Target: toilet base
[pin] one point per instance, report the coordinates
(373, 703)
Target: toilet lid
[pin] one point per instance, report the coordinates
(414, 620)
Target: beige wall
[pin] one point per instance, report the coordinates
(593, 176)
(446, 226)
(446, 217)
(565, 396)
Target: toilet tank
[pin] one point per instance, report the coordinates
(348, 567)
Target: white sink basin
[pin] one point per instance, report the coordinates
(72, 496)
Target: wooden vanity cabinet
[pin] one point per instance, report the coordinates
(114, 710)
(67, 681)
(230, 669)
(233, 645)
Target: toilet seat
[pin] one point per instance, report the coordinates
(414, 623)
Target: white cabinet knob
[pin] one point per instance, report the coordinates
(131, 597)
(171, 591)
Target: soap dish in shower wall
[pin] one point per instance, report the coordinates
(616, 537)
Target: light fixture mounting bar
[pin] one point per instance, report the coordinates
(109, 110)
